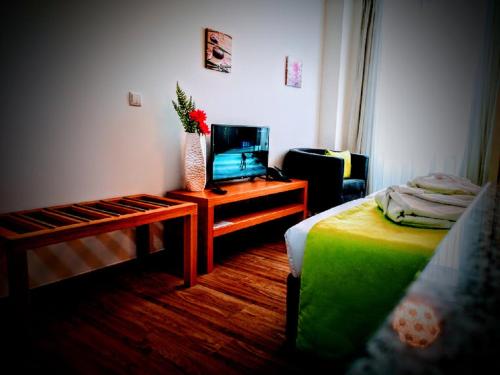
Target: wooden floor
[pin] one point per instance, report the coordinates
(140, 319)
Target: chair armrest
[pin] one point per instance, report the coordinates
(359, 166)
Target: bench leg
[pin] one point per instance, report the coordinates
(19, 296)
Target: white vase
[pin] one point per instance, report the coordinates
(195, 169)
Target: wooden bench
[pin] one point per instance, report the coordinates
(31, 229)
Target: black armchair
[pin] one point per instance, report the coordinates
(327, 187)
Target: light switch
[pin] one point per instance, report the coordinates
(134, 99)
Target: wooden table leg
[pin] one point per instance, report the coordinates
(143, 241)
(19, 293)
(190, 249)
(207, 235)
(304, 201)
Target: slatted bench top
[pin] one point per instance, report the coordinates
(43, 226)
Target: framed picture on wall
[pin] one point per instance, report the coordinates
(293, 72)
(218, 51)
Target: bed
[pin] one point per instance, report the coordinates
(460, 287)
(319, 335)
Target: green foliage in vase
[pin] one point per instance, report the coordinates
(184, 107)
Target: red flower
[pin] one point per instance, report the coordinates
(200, 117)
(204, 128)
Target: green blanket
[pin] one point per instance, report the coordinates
(357, 265)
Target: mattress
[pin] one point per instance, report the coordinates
(295, 237)
(356, 266)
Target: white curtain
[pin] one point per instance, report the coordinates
(480, 147)
(427, 70)
(359, 127)
(407, 85)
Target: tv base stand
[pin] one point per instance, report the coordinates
(218, 190)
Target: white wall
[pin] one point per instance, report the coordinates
(68, 133)
(331, 78)
(428, 69)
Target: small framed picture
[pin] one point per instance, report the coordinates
(293, 72)
(218, 51)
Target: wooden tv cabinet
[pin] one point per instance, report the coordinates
(245, 204)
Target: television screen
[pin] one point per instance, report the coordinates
(238, 151)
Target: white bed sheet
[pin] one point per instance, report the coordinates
(295, 237)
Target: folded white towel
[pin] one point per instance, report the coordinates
(445, 184)
(433, 201)
(400, 206)
(462, 200)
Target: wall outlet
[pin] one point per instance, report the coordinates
(134, 99)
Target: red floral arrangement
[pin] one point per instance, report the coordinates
(192, 119)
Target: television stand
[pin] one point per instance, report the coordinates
(246, 204)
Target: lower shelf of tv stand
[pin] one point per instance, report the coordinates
(255, 218)
(245, 205)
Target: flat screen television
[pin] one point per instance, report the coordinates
(238, 151)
